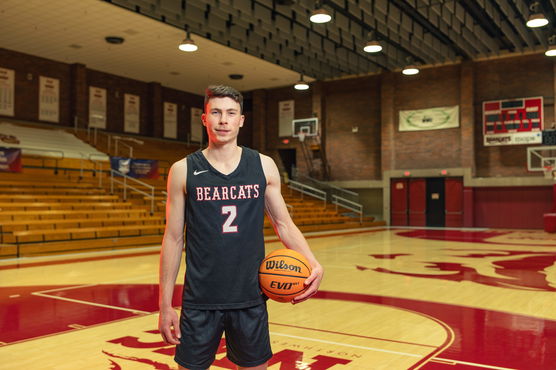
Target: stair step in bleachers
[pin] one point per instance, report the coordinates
(26, 225)
(32, 206)
(55, 215)
(22, 198)
(80, 233)
(52, 191)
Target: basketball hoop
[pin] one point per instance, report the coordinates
(301, 136)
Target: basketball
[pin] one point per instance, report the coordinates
(282, 274)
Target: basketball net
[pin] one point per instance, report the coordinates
(301, 136)
(549, 172)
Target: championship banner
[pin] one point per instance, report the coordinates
(286, 110)
(170, 120)
(131, 113)
(10, 160)
(196, 125)
(513, 121)
(7, 92)
(49, 99)
(429, 119)
(136, 168)
(97, 107)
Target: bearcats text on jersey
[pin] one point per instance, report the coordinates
(233, 192)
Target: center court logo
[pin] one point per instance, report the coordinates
(525, 268)
(130, 349)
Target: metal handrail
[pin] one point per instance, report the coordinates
(116, 141)
(126, 185)
(352, 206)
(330, 189)
(309, 190)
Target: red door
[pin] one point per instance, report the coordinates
(454, 201)
(398, 202)
(417, 202)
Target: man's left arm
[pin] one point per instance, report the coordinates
(285, 228)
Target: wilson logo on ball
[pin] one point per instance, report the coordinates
(281, 265)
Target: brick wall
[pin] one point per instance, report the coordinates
(372, 103)
(432, 87)
(349, 104)
(185, 102)
(74, 82)
(520, 77)
(28, 69)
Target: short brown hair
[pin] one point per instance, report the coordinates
(223, 91)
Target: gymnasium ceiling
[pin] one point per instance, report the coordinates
(270, 42)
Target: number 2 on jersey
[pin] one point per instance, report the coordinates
(231, 211)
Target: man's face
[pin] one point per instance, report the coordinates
(222, 118)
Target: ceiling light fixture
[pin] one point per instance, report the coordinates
(320, 15)
(410, 70)
(372, 45)
(411, 67)
(536, 18)
(551, 52)
(301, 84)
(188, 44)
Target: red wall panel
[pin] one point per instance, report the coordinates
(417, 202)
(398, 202)
(512, 207)
(454, 201)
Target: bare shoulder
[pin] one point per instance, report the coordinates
(266, 160)
(269, 168)
(178, 172)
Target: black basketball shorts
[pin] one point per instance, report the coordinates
(247, 336)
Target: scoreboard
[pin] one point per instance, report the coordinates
(513, 121)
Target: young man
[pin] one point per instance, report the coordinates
(221, 193)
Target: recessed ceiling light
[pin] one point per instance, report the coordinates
(235, 76)
(114, 40)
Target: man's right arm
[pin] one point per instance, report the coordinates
(171, 252)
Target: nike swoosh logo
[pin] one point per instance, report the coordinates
(195, 173)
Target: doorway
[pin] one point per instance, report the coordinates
(435, 202)
(288, 157)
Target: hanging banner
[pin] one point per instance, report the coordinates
(170, 120)
(513, 121)
(286, 110)
(49, 99)
(7, 92)
(10, 160)
(97, 107)
(196, 125)
(131, 113)
(136, 168)
(429, 119)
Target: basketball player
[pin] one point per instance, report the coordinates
(221, 193)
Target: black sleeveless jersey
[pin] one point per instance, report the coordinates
(224, 233)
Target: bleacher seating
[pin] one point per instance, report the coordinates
(59, 205)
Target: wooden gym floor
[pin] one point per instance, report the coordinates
(390, 299)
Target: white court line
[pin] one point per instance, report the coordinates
(473, 364)
(388, 351)
(41, 294)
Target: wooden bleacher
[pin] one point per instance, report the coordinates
(45, 213)
(59, 205)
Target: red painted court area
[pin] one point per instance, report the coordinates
(497, 339)
(516, 262)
